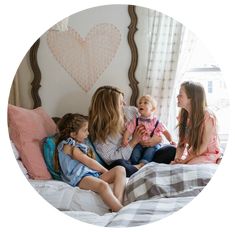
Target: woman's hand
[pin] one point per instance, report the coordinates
(173, 143)
(137, 135)
(152, 141)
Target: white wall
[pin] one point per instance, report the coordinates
(59, 92)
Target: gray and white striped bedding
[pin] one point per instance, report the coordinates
(162, 180)
(154, 192)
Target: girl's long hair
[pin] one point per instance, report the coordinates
(196, 93)
(67, 124)
(106, 117)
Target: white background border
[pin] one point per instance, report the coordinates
(22, 22)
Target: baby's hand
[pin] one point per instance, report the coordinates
(173, 143)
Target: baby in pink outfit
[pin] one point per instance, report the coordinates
(147, 109)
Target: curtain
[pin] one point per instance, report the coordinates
(165, 60)
(186, 52)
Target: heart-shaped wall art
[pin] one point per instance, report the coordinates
(85, 59)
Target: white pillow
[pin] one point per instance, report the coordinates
(23, 169)
(67, 198)
(17, 156)
(15, 151)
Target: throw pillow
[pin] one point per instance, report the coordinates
(27, 128)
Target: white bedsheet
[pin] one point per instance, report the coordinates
(67, 198)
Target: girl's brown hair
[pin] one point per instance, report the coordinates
(196, 93)
(106, 117)
(67, 124)
(70, 123)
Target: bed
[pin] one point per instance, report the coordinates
(154, 192)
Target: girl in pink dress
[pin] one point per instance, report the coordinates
(198, 138)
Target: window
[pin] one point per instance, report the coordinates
(210, 87)
(203, 69)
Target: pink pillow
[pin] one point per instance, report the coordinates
(27, 128)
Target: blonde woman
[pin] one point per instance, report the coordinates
(106, 128)
(198, 138)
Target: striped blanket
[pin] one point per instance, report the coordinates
(161, 180)
(154, 192)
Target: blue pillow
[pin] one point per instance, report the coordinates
(49, 147)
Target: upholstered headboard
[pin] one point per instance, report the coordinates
(133, 83)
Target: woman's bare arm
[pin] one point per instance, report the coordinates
(125, 138)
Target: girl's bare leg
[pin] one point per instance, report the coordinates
(117, 176)
(103, 189)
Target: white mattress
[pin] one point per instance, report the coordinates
(66, 198)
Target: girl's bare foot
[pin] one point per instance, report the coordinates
(138, 166)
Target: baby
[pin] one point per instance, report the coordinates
(147, 109)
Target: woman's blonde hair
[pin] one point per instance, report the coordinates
(196, 93)
(149, 99)
(106, 117)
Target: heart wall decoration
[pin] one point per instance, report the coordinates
(85, 59)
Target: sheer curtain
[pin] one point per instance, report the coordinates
(169, 51)
(186, 52)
